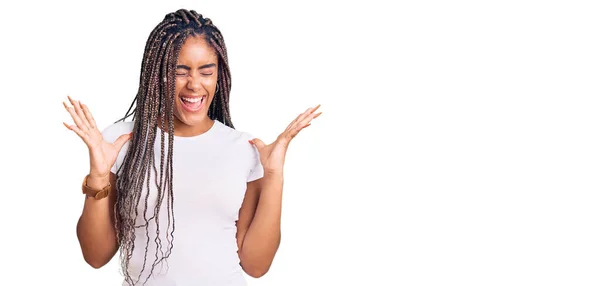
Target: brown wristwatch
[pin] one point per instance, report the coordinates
(97, 194)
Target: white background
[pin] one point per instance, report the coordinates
(458, 143)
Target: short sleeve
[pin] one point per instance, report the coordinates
(110, 135)
(256, 169)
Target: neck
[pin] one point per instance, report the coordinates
(184, 130)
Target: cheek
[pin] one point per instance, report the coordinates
(213, 84)
(179, 85)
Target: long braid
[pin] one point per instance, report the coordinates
(154, 111)
(158, 87)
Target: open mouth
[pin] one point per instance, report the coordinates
(192, 103)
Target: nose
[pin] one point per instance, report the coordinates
(194, 82)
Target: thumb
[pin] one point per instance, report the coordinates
(122, 140)
(257, 142)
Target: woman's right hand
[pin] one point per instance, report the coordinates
(103, 155)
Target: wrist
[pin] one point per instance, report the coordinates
(273, 175)
(96, 181)
(272, 171)
(94, 173)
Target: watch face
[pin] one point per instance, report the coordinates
(94, 193)
(101, 194)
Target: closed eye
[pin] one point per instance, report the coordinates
(181, 72)
(186, 74)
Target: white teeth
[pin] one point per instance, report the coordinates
(192, 100)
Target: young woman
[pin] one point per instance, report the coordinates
(188, 199)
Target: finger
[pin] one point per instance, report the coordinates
(306, 114)
(308, 119)
(77, 131)
(299, 118)
(122, 140)
(301, 128)
(301, 122)
(315, 108)
(75, 117)
(296, 129)
(79, 115)
(301, 115)
(77, 105)
(89, 116)
(257, 142)
(311, 110)
(293, 122)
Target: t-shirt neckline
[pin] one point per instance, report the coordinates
(216, 124)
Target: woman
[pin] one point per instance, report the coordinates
(187, 199)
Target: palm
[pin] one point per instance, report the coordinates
(272, 156)
(106, 154)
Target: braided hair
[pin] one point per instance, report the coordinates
(154, 107)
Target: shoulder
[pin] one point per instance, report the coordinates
(233, 135)
(236, 142)
(113, 131)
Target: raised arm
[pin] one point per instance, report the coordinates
(259, 224)
(96, 226)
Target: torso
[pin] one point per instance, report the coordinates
(211, 171)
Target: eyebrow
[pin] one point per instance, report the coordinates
(188, 68)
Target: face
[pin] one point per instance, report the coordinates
(196, 80)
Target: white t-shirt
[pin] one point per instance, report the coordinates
(210, 173)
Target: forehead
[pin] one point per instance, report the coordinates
(196, 51)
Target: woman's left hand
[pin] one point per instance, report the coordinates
(272, 156)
